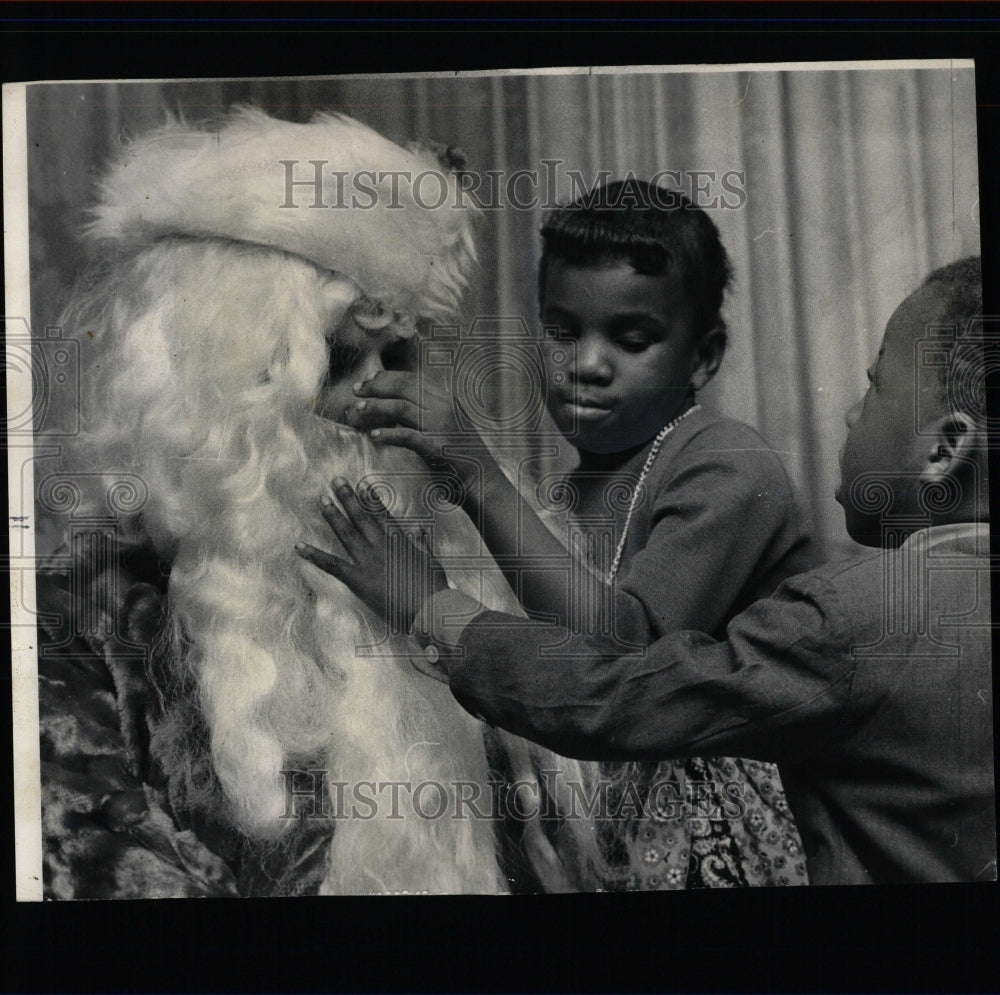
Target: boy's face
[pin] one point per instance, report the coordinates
(636, 349)
(883, 427)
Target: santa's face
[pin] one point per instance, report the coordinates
(359, 349)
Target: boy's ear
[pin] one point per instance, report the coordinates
(955, 441)
(708, 357)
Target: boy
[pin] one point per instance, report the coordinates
(867, 681)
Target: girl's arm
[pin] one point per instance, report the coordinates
(403, 410)
(725, 529)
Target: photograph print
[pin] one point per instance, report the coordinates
(520, 482)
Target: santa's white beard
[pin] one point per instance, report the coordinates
(273, 646)
(204, 369)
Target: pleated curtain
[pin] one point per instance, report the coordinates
(855, 184)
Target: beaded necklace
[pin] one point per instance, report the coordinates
(647, 466)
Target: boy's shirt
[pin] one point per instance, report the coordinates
(867, 681)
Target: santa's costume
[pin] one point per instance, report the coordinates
(211, 706)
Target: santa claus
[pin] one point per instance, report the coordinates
(217, 717)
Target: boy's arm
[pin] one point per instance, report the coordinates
(775, 689)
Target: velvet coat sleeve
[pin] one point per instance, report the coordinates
(107, 828)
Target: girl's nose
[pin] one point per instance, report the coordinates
(592, 364)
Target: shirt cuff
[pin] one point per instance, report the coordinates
(440, 623)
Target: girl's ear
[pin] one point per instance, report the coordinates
(709, 351)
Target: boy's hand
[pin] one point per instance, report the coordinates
(399, 410)
(390, 572)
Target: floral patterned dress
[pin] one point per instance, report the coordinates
(734, 829)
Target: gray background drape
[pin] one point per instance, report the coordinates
(857, 183)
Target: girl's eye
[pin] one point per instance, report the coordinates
(634, 343)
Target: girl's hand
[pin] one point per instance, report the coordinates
(390, 572)
(402, 409)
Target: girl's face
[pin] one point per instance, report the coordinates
(357, 353)
(637, 353)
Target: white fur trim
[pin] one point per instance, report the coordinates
(230, 183)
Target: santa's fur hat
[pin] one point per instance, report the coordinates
(396, 223)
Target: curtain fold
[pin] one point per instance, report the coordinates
(856, 183)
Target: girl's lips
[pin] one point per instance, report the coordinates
(585, 412)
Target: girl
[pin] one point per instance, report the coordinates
(681, 517)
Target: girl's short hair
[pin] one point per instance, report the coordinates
(656, 230)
